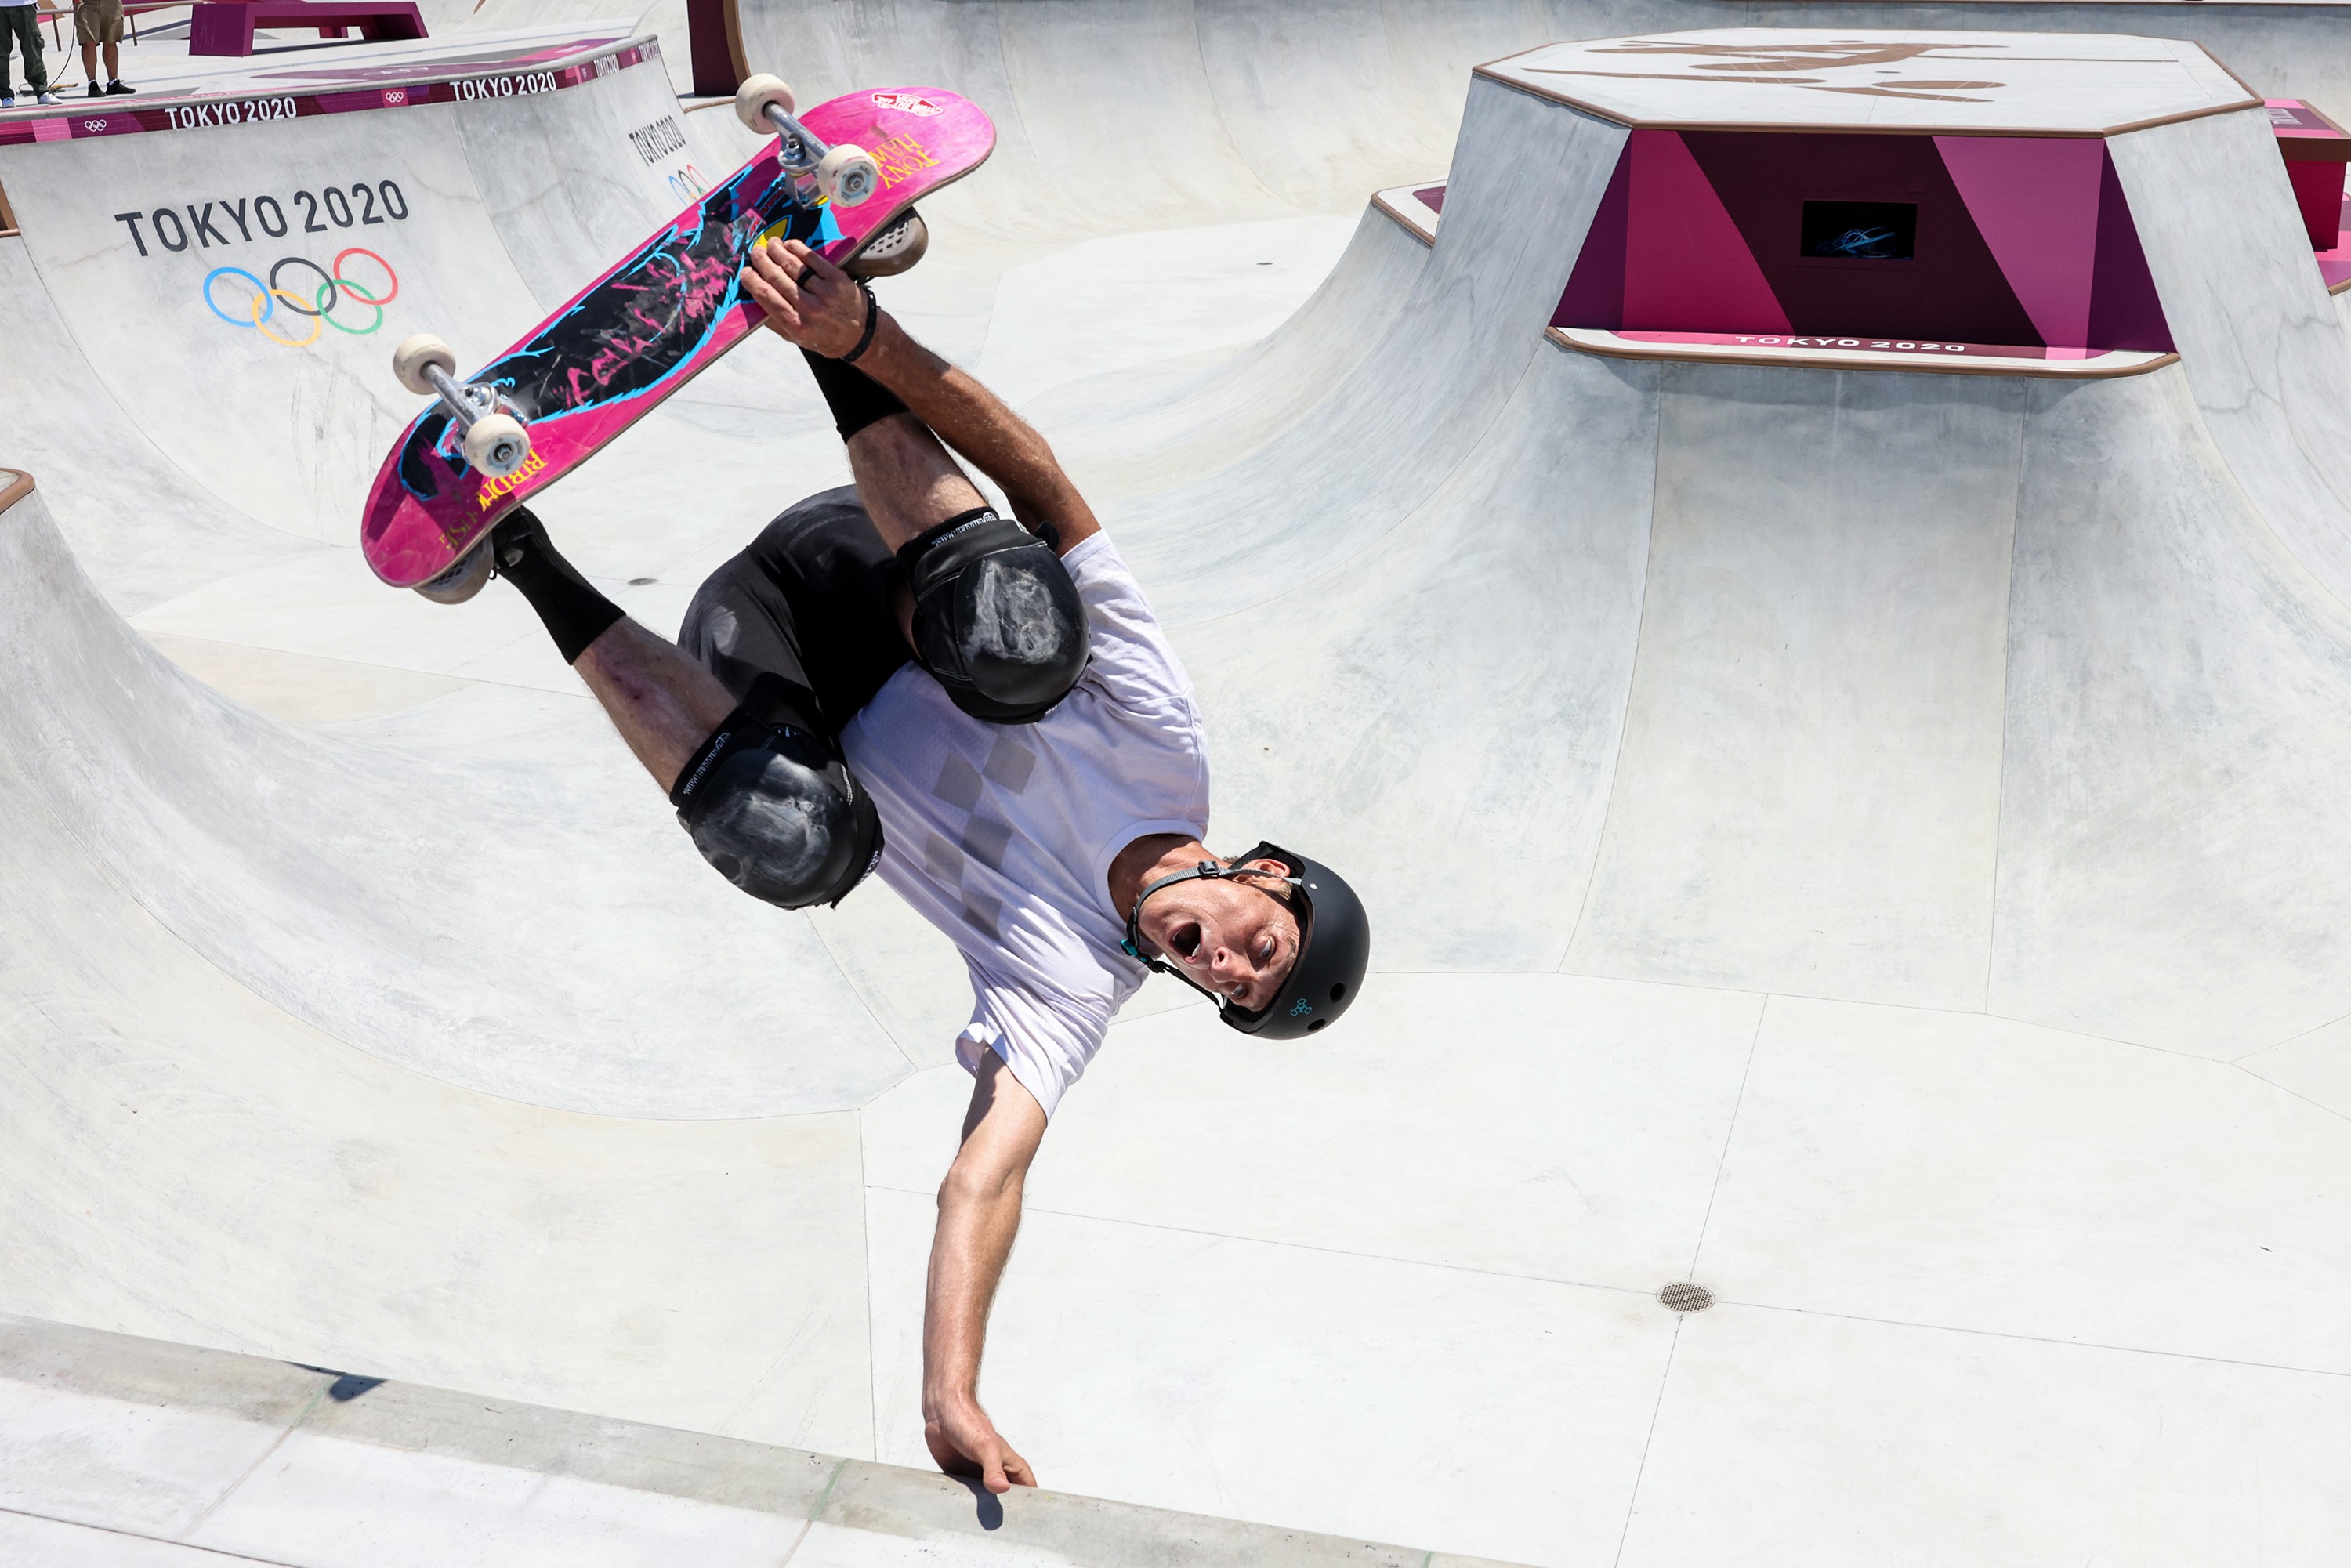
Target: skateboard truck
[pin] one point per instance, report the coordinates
(844, 175)
(494, 443)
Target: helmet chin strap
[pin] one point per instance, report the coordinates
(1210, 871)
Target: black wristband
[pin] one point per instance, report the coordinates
(872, 320)
(856, 399)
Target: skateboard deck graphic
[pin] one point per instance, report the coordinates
(653, 322)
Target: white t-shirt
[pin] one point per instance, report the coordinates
(1002, 835)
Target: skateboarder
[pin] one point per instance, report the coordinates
(893, 676)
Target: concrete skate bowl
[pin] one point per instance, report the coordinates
(1869, 842)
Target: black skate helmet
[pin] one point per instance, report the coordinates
(1334, 946)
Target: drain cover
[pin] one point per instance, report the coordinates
(1681, 1296)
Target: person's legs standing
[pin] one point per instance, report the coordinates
(99, 23)
(37, 60)
(24, 26)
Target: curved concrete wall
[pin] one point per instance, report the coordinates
(1953, 714)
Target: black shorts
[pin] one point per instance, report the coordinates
(809, 602)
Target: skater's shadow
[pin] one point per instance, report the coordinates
(990, 1510)
(347, 1387)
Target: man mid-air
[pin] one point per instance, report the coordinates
(893, 676)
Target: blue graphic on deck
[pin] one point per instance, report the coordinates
(632, 331)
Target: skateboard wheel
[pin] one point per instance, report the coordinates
(409, 360)
(751, 100)
(498, 444)
(464, 578)
(895, 249)
(847, 175)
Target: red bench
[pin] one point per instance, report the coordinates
(225, 27)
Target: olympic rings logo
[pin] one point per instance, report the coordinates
(687, 183)
(333, 288)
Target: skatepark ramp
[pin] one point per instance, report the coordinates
(1867, 841)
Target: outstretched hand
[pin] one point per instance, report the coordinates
(809, 302)
(964, 1442)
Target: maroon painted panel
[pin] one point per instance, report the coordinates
(2124, 310)
(1695, 227)
(1686, 266)
(1595, 289)
(1952, 288)
(2035, 199)
(714, 59)
(228, 28)
(2318, 192)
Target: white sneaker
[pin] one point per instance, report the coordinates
(46, 96)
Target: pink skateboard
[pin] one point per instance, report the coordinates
(839, 178)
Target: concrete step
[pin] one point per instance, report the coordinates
(123, 1452)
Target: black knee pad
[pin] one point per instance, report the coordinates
(778, 813)
(997, 619)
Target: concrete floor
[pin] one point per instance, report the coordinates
(1868, 843)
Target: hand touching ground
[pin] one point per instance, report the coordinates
(964, 1442)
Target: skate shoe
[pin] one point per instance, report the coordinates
(895, 249)
(504, 546)
(465, 577)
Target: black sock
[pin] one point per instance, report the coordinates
(574, 613)
(856, 399)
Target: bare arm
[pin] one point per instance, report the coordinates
(976, 422)
(812, 303)
(979, 1214)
